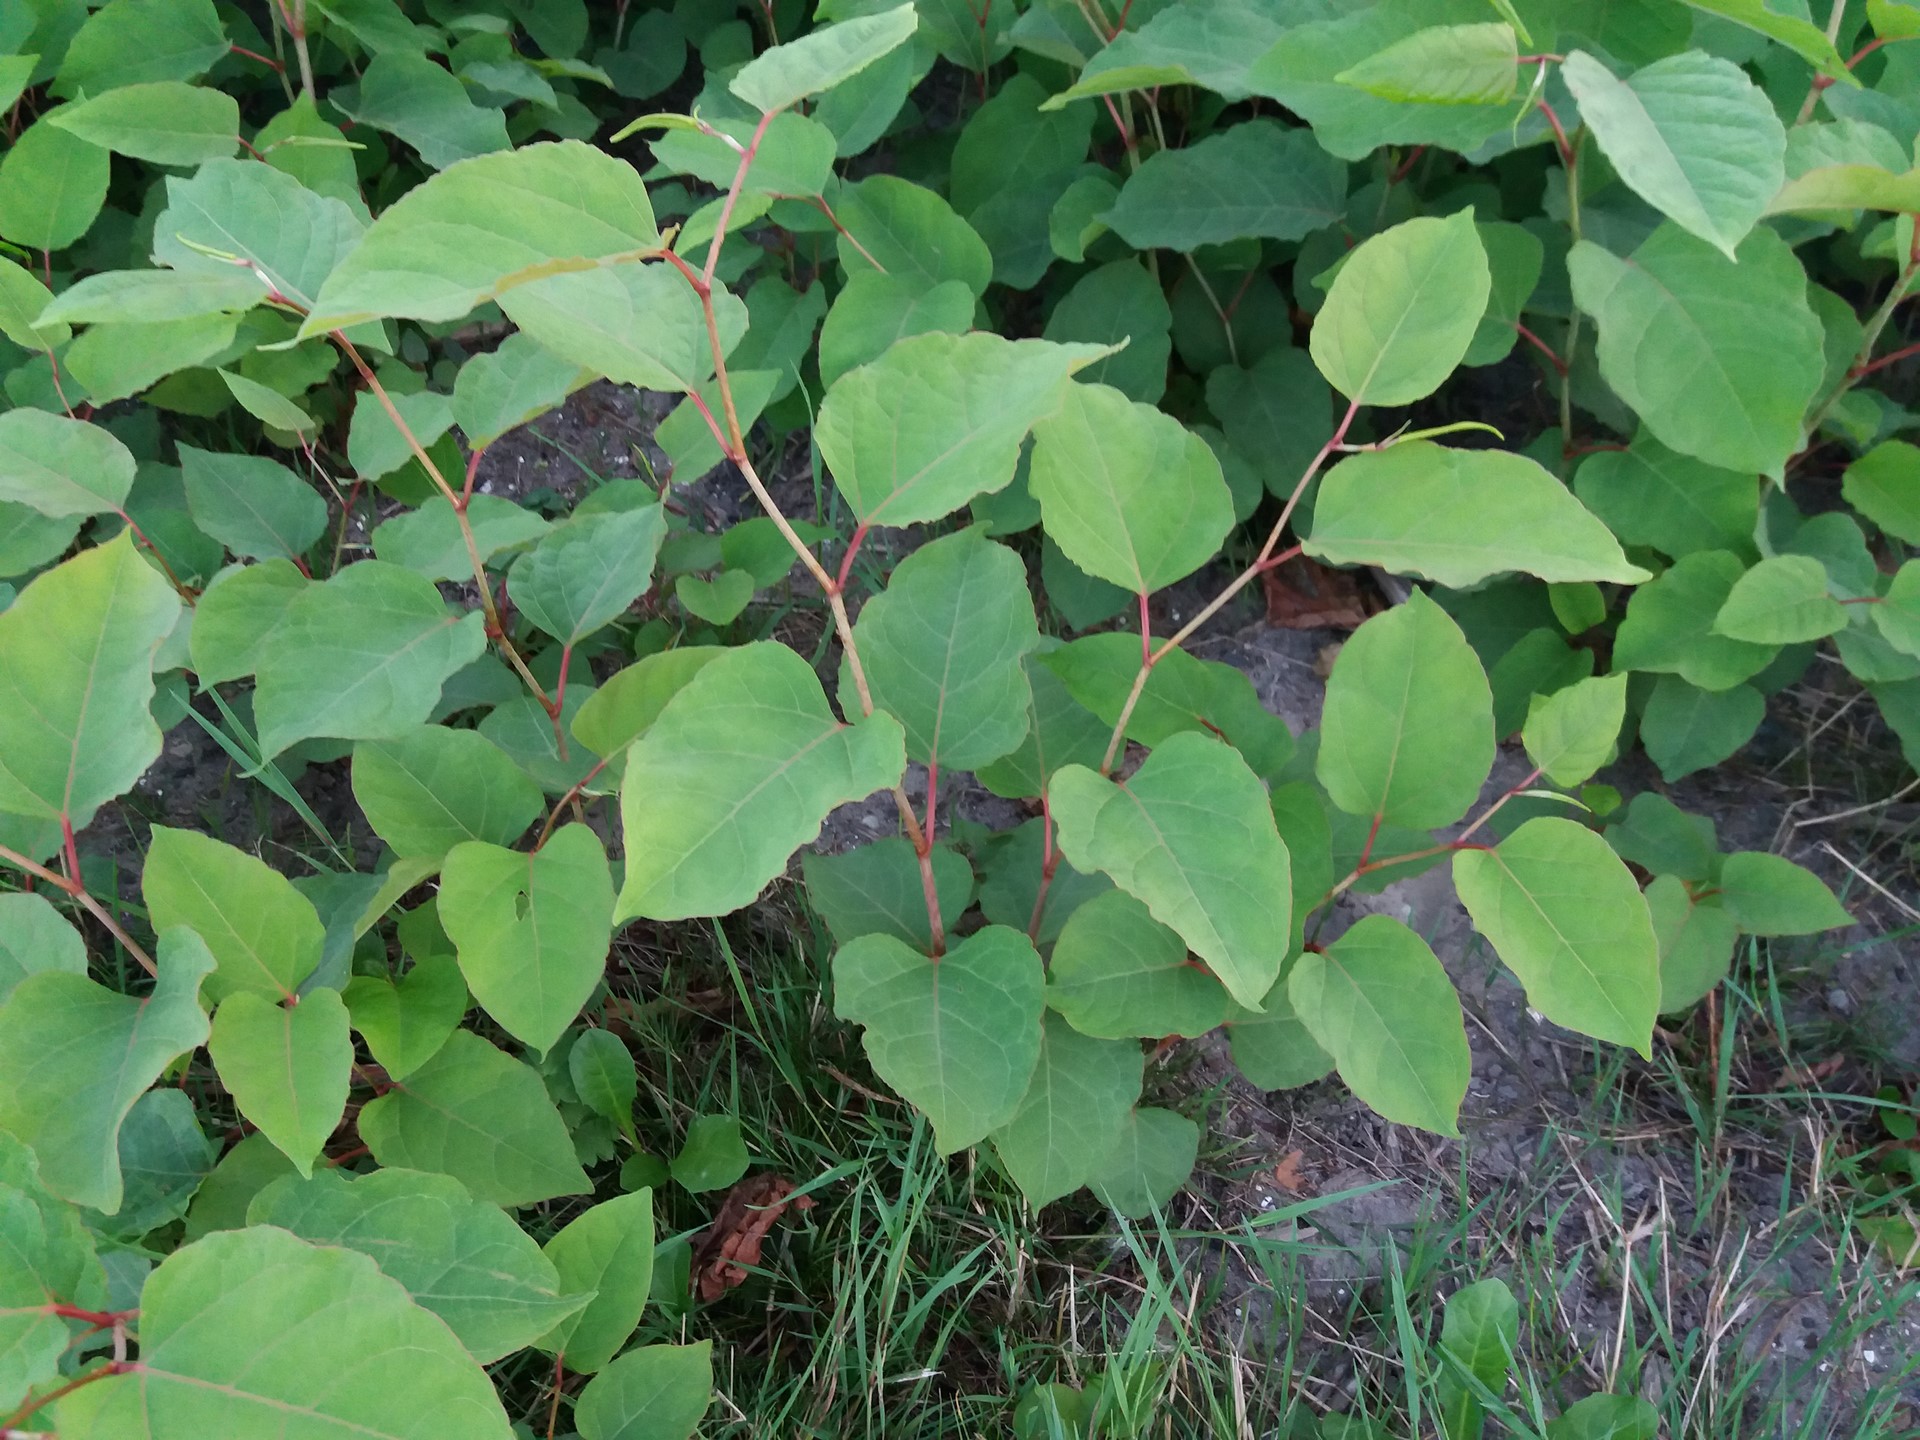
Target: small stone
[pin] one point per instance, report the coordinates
(1839, 1001)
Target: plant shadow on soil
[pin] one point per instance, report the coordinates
(1698, 1229)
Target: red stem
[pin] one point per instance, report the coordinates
(473, 468)
(1049, 862)
(1553, 357)
(1560, 137)
(267, 60)
(733, 195)
(1884, 361)
(846, 561)
(112, 1367)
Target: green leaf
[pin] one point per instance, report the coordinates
(1626, 1417)
(1769, 895)
(290, 237)
(908, 232)
(1191, 835)
(1117, 973)
(1564, 913)
(1883, 485)
(164, 1156)
(532, 930)
(429, 540)
(1481, 1334)
(1718, 357)
(360, 657)
(653, 1392)
(33, 939)
(958, 1037)
(1653, 497)
(876, 889)
(1402, 311)
(76, 682)
(480, 1116)
(286, 1067)
(1781, 601)
(237, 615)
(406, 1023)
(1572, 732)
(636, 324)
(265, 935)
(821, 59)
(584, 574)
(606, 1251)
(426, 106)
(1898, 613)
(22, 300)
(718, 601)
(1151, 1162)
(1696, 943)
(624, 709)
(131, 41)
(737, 773)
(375, 444)
(267, 405)
(531, 737)
(605, 1077)
(1443, 65)
(1691, 135)
(1126, 491)
(1379, 1003)
(360, 1357)
(479, 228)
(1272, 1048)
(1669, 625)
(52, 185)
(714, 1155)
(874, 310)
(503, 389)
(1119, 303)
(1061, 731)
(436, 788)
(1792, 31)
(146, 295)
(1074, 1113)
(938, 419)
(46, 1258)
(1407, 733)
(74, 1057)
(1205, 45)
(256, 507)
(1458, 517)
(1826, 188)
(165, 122)
(461, 1258)
(111, 362)
(62, 467)
(794, 157)
(1254, 178)
(1515, 257)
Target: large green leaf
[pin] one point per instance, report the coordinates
(286, 1067)
(1718, 357)
(1651, 496)
(1377, 1001)
(112, 362)
(1884, 486)
(737, 773)
(1442, 65)
(653, 1392)
(958, 1037)
(1117, 973)
(1191, 835)
(1126, 491)
(1206, 45)
(1564, 913)
(289, 236)
(1153, 1159)
(128, 42)
(585, 573)
(1691, 135)
(255, 1331)
(76, 682)
(938, 419)
(908, 232)
(22, 301)
(637, 324)
(1572, 732)
(1120, 301)
(1061, 731)
(75, 1056)
(821, 59)
(236, 617)
(1781, 601)
(1459, 516)
(264, 934)
(1407, 733)
(1770, 895)
(943, 645)
(361, 657)
(61, 467)
(624, 709)
(503, 389)
(1402, 310)
(144, 295)
(482, 226)
(436, 788)
(46, 1258)
(426, 105)
(875, 309)
(256, 507)
(430, 542)
(406, 1022)
(1669, 625)
(1255, 178)
(607, 1252)
(34, 937)
(532, 930)
(1074, 1113)
(795, 157)
(480, 1116)
(52, 185)
(166, 122)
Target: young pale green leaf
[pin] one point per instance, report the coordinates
(52, 185)
(607, 1252)
(1793, 31)
(264, 934)
(585, 573)
(35, 938)
(76, 682)
(1075, 1111)
(237, 615)
(737, 773)
(461, 1258)
(1273, 1048)
(1781, 601)
(1572, 732)
(75, 1056)
(430, 542)
(405, 1023)
(436, 788)
(256, 507)
(231, 210)
(1884, 486)
(605, 1077)
(1770, 895)
(1442, 65)
(943, 645)
(358, 1355)
(1564, 913)
(1458, 517)
(821, 59)
(958, 1037)
(874, 310)
(939, 419)
(653, 1392)
(1628, 1417)
(635, 324)
(483, 226)
(1152, 1160)
(1719, 357)
(503, 389)
(1684, 728)
(532, 929)
(1117, 973)
(1669, 627)
(62, 467)
(1378, 1001)
(286, 1067)
(624, 709)
(1191, 835)
(1691, 135)
(1126, 491)
(480, 1116)
(1407, 733)
(165, 122)
(360, 657)
(877, 889)
(1481, 1335)
(1654, 497)
(147, 295)
(1402, 311)
(1254, 178)
(1696, 943)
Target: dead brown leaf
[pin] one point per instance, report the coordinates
(1305, 595)
(732, 1243)
(1290, 1174)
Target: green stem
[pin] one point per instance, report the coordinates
(1870, 335)
(79, 892)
